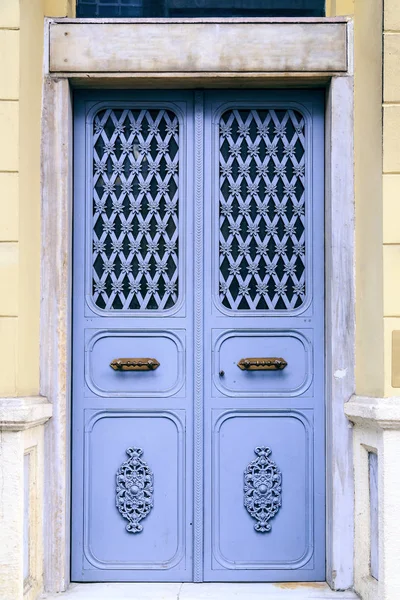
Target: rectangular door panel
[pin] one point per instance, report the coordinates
(269, 474)
(145, 482)
(114, 359)
(262, 363)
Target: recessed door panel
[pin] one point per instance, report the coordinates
(262, 363)
(262, 494)
(114, 362)
(129, 528)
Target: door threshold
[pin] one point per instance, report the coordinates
(201, 591)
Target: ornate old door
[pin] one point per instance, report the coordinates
(198, 337)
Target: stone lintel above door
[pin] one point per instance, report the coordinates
(201, 48)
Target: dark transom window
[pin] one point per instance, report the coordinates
(200, 8)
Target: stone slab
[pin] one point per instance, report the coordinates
(202, 591)
(382, 413)
(17, 414)
(198, 47)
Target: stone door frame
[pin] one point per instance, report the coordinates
(81, 47)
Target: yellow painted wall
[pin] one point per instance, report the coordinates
(21, 52)
(370, 336)
(336, 8)
(377, 188)
(9, 193)
(377, 170)
(368, 196)
(391, 184)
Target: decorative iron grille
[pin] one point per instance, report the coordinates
(135, 210)
(262, 257)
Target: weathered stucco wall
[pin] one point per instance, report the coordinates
(377, 190)
(21, 51)
(336, 8)
(21, 419)
(391, 191)
(370, 340)
(375, 414)
(368, 196)
(9, 193)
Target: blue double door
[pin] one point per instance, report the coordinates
(198, 336)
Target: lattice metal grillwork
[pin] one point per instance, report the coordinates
(135, 209)
(262, 258)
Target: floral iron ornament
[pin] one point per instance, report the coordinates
(262, 489)
(134, 498)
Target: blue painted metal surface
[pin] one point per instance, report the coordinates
(198, 242)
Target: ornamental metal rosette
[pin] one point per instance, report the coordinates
(262, 489)
(134, 498)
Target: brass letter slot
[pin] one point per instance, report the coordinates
(262, 364)
(134, 364)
